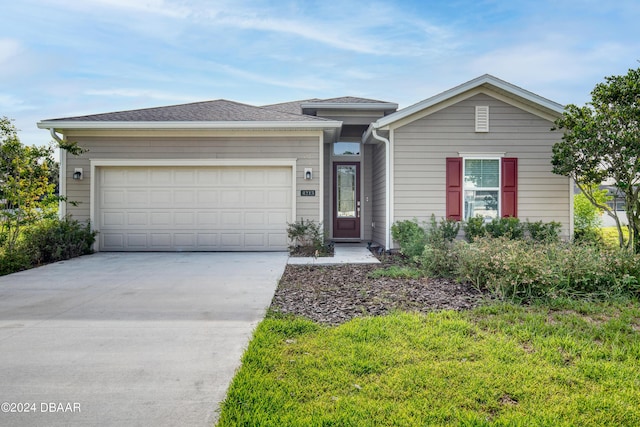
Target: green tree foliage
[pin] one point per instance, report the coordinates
(26, 194)
(586, 215)
(601, 141)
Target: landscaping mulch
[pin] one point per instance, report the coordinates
(336, 294)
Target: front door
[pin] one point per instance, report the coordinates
(346, 200)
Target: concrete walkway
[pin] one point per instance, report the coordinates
(129, 338)
(344, 253)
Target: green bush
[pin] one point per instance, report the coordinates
(410, 236)
(507, 227)
(522, 270)
(46, 241)
(437, 258)
(512, 228)
(307, 238)
(543, 232)
(54, 240)
(587, 219)
(474, 228)
(13, 261)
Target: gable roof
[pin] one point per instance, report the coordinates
(219, 113)
(486, 81)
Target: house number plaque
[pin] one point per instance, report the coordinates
(308, 192)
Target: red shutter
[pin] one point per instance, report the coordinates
(509, 188)
(454, 188)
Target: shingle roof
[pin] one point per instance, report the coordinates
(295, 107)
(220, 110)
(350, 100)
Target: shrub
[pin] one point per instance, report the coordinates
(410, 236)
(523, 270)
(307, 237)
(587, 217)
(507, 227)
(474, 228)
(54, 240)
(543, 232)
(13, 261)
(46, 241)
(437, 257)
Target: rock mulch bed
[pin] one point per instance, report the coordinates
(336, 294)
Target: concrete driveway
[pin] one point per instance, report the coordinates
(129, 338)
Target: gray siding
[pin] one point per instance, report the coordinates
(366, 203)
(378, 195)
(421, 147)
(304, 149)
(327, 223)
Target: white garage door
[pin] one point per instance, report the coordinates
(193, 208)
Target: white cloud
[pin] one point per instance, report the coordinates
(306, 83)
(9, 49)
(545, 62)
(13, 104)
(141, 93)
(154, 7)
(378, 29)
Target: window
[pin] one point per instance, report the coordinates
(481, 188)
(346, 149)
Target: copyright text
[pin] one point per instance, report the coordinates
(40, 407)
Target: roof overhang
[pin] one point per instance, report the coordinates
(62, 125)
(313, 107)
(350, 105)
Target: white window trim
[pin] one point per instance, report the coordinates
(498, 188)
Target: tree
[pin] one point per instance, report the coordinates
(26, 195)
(601, 142)
(587, 216)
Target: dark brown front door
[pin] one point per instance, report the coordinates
(346, 200)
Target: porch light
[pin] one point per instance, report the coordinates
(308, 173)
(77, 173)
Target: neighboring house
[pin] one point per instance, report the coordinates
(221, 175)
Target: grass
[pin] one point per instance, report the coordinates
(610, 235)
(572, 363)
(397, 272)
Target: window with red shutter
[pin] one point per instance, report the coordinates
(509, 188)
(454, 188)
(475, 185)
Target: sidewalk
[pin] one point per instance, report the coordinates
(344, 253)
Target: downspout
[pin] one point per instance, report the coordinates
(62, 173)
(387, 183)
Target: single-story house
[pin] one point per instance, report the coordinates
(225, 176)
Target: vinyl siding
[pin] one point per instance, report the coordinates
(366, 193)
(304, 149)
(421, 147)
(327, 223)
(378, 193)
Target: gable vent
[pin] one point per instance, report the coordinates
(482, 118)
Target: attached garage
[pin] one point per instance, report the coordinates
(193, 208)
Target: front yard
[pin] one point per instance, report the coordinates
(559, 363)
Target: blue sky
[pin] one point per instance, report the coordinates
(62, 58)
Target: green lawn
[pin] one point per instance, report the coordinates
(574, 364)
(610, 235)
